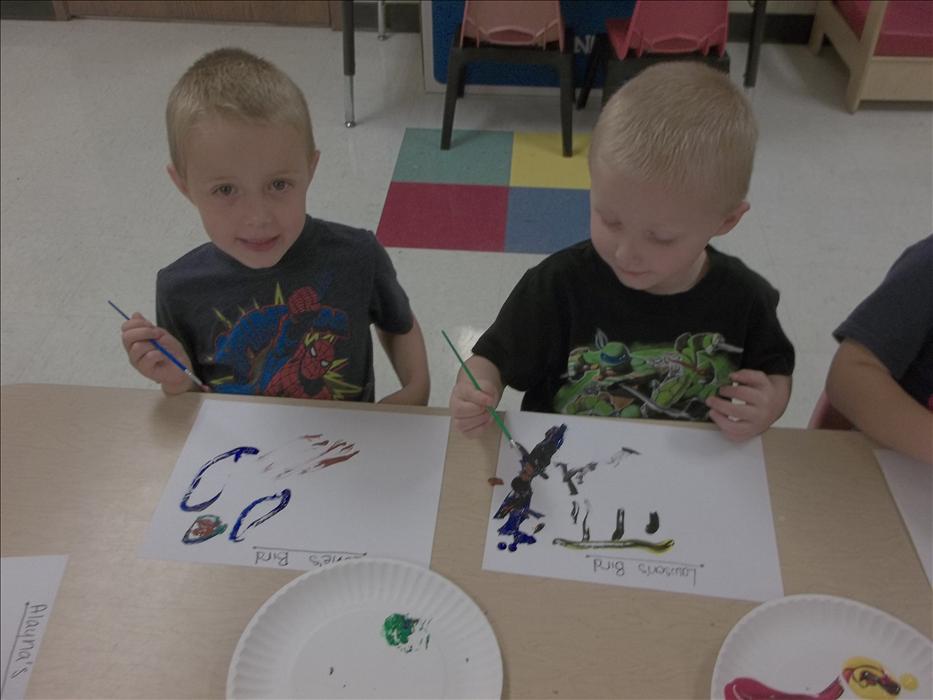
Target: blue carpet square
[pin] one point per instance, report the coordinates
(543, 220)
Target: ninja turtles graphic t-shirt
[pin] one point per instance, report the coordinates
(578, 341)
(300, 328)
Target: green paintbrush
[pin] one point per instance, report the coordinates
(495, 416)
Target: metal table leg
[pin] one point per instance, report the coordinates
(754, 42)
(349, 63)
(381, 19)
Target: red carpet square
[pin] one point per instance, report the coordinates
(448, 217)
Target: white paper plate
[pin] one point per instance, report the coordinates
(799, 644)
(322, 636)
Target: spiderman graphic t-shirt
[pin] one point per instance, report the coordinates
(299, 329)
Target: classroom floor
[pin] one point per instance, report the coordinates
(495, 191)
(88, 213)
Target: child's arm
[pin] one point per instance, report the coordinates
(468, 404)
(861, 388)
(410, 360)
(148, 361)
(764, 398)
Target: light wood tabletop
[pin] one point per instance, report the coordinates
(83, 469)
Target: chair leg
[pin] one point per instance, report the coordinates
(461, 80)
(566, 103)
(721, 63)
(596, 58)
(854, 89)
(455, 69)
(816, 34)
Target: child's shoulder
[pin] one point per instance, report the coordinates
(334, 232)
(199, 260)
(318, 237)
(729, 270)
(579, 258)
(916, 260)
(346, 245)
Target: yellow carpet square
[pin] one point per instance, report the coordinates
(537, 161)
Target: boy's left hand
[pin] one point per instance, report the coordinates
(763, 398)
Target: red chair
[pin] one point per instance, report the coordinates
(659, 30)
(531, 31)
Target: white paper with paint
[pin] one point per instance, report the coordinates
(301, 487)
(637, 487)
(28, 586)
(911, 484)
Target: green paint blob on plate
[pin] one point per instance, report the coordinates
(397, 629)
(406, 633)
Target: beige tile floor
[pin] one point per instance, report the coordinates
(88, 212)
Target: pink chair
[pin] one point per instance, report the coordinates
(825, 417)
(659, 30)
(671, 26)
(531, 31)
(513, 23)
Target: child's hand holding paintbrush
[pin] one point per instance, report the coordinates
(471, 407)
(156, 354)
(475, 396)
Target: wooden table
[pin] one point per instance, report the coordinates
(83, 469)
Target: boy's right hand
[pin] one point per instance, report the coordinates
(148, 360)
(468, 406)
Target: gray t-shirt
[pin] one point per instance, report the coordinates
(299, 329)
(895, 322)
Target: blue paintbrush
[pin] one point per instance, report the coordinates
(175, 361)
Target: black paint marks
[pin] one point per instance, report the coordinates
(653, 523)
(620, 525)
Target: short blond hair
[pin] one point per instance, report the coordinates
(684, 125)
(233, 84)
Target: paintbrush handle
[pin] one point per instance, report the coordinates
(460, 360)
(175, 361)
(498, 419)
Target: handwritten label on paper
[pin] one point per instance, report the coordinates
(645, 569)
(28, 586)
(272, 556)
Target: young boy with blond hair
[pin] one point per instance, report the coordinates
(646, 319)
(277, 303)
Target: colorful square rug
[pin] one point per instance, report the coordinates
(492, 191)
